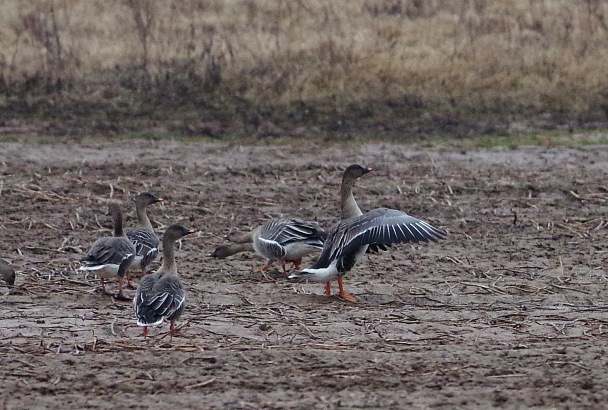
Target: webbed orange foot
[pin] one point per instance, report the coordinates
(343, 294)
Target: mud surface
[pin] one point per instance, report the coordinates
(508, 312)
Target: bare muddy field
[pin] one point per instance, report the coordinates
(508, 312)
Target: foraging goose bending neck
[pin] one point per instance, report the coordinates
(142, 236)
(161, 295)
(110, 256)
(355, 232)
(277, 240)
(224, 251)
(240, 237)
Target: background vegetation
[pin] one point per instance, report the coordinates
(396, 68)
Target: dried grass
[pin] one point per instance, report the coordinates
(480, 57)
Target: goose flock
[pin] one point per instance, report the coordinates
(161, 295)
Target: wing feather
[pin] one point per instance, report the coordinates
(109, 250)
(273, 247)
(158, 298)
(143, 239)
(380, 226)
(285, 231)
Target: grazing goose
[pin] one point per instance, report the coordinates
(161, 295)
(142, 236)
(7, 273)
(277, 240)
(357, 231)
(110, 256)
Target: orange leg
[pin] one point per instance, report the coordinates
(284, 268)
(263, 268)
(128, 275)
(145, 331)
(172, 329)
(103, 285)
(120, 295)
(296, 264)
(343, 294)
(328, 289)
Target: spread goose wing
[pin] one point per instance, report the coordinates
(384, 226)
(380, 226)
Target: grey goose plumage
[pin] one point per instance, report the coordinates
(142, 236)
(110, 256)
(161, 295)
(356, 231)
(277, 240)
(7, 273)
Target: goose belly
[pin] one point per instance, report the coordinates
(318, 274)
(107, 271)
(136, 265)
(298, 251)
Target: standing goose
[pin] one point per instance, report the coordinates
(111, 256)
(356, 231)
(142, 236)
(161, 295)
(277, 240)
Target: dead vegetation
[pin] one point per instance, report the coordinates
(268, 68)
(509, 311)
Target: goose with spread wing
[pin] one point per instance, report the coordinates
(277, 240)
(110, 256)
(161, 295)
(356, 232)
(142, 236)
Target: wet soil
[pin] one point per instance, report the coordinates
(508, 312)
